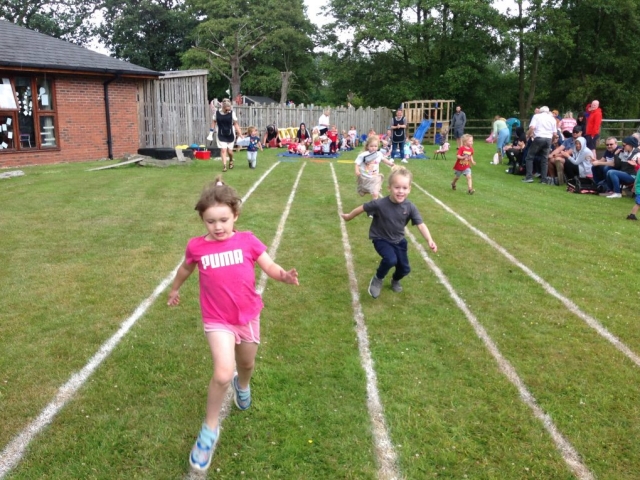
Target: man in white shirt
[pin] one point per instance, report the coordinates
(541, 129)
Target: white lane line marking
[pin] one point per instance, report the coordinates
(572, 307)
(568, 452)
(276, 240)
(387, 458)
(14, 451)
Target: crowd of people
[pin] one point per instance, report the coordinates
(563, 150)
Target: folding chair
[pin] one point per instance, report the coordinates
(442, 151)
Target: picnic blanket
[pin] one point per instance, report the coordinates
(287, 154)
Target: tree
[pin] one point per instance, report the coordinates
(258, 36)
(64, 19)
(149, 33)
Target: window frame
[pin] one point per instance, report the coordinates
(37, 113)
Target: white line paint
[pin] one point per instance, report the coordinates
(572, 307)
(14, 451)
(387, 458)
(568, 452)
(276, 240)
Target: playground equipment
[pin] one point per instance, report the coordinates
(426, 119)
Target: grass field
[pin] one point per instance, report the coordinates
(511, 354)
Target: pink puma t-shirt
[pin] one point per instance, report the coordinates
(227, 277)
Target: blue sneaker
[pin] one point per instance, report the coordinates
(242, 398)
(204, 448)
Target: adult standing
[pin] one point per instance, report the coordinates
(501, 134)
(227, 125)
(458, 123)
(398, 134)
(541, 130)
(593, 125)
(323, 122)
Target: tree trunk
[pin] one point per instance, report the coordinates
(284, 88)
(234, 63)
(533, 77)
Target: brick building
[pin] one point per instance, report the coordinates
(60, 102)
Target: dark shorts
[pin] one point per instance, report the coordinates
(458, 132)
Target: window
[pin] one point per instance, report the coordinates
(28, 116)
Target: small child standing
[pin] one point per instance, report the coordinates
(353, 135)
(252, 148)
(464, 161)
(229, 303)
(406, 151)
(368, 168)
(390, 216)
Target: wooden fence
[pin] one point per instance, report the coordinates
(173, 110)
(343, 118)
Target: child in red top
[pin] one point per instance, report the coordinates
(464, 161)
(229, 303)
(333, 138)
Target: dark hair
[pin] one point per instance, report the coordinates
(218, 193)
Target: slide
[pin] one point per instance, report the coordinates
(422, 129)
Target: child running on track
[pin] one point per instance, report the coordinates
(229, 304)
(390, 216)
(464, 161)
(368, 168)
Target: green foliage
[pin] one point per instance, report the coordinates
(64, 19)
(149, 33)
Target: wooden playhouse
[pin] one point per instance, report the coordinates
(429, 119)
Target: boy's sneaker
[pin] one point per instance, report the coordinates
(471, 192)
(631, 216)
(615, 195)
(204, 448)
(404, 160)
(242, 398)
(395, 286)
(453, 186)
(375, 286)
(527, 180)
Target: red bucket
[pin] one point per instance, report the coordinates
(206, 155)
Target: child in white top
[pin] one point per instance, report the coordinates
(368, 168)
(353, 135)
(416, 147)
(230, 306)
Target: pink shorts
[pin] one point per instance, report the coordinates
(249, 333)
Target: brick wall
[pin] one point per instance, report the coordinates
(82, 125)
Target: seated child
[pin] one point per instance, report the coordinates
(317, 146)
(302, 150)
(416, 147)
(315, 134)
(293, 147)
(326, 145)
